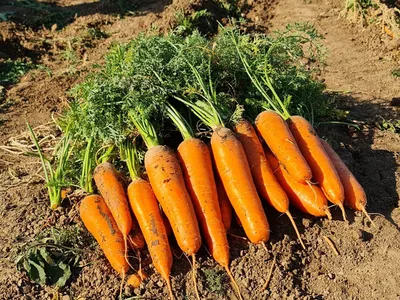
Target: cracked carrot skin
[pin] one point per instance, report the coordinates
(99, 221)
(264, 179)
(321, 165)
(306, 198)
(276, 133)
(146, 209)
(196, 163)
(354, 194)
(166, 178)
(234, 171)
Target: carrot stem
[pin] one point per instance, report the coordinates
(234, 282)
(194, 275)
(367, 215)
(295, 229)
(269, 275)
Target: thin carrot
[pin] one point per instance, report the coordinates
(264, 179)
(354, 194)
(112, 190)
(321, 165)
(100, 223)
(280, 140)
(145, 207)
(307, 198)
(196, 163)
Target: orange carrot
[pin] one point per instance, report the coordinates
(354, 194)
(224, 204)
(135, 237)
(307, 198)
(234, 171)
(280, 140)
(167, 226)
(195, 160)
(165, 175)
(145, 207)
(113, 192)
(322, 167)
(100, 223)
(264, 178)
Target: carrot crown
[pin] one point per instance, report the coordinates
(275, 102)
(179, 121)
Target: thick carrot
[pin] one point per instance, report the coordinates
(100, 223)
(113, 192)
(145, 207)
(165, 175)
(264, 179)
(321, 165)
(234, 171)
(354, 194)
(276, 133)
(307, 198)
(195, 160)
(224, 204)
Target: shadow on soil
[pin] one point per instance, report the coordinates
(46, 14)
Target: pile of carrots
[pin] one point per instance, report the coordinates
(193, 193)
(293, 166)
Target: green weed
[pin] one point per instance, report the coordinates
(185, 25)
(12, 70)
(389, 125)
(396, 73)
(215, 281)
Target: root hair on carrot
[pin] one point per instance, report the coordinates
(330, 243)
(194, 271)
(343, 211)
(228, 271)
(295, 229)
(328, 213)
(367, 215)
(265, 286)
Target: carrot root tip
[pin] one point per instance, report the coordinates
(234, 282)
(367, 215)
(194, 276)
(295, 229)
(343, 212)
(269, 275)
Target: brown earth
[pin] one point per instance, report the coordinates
(357, 73)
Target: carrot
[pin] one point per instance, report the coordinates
(99, 221)
(264, 179)
(196, 163)
(167, 226)
(280, 140)
(235, 174)
(135, 237)
(224, 204)
(322, 167)
(112, 190)
(307, 198)
(145, 207)
(354, 194)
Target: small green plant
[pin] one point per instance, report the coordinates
(390, 125)
(69, 54)
(96, 33)
(12, 70)
(216, 281)
(185, 25)
(50, 260)
(54, 177)
(396, 73)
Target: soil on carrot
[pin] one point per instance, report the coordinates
(360, 79)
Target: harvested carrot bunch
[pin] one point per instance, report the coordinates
(242, 106)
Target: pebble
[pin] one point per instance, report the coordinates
(246, 282)
(65, 297)
(317, 254)
(160, 283)
(306, 223)
(26, 289)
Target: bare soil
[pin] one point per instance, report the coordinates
(358, 74)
